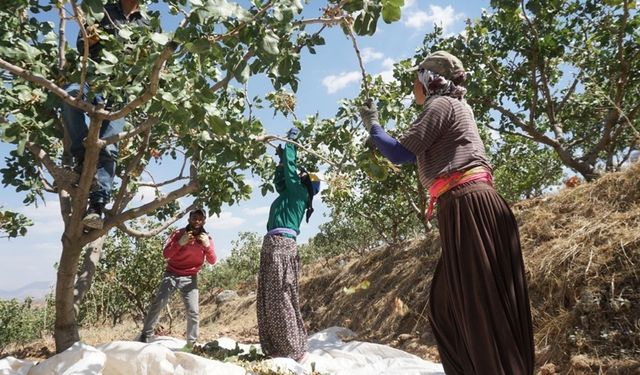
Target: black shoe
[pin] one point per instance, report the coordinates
(143, 338)
(93, 217)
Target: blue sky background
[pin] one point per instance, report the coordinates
(328, 76)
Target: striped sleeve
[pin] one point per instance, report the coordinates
(428, 127)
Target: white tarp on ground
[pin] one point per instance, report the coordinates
(330, 352)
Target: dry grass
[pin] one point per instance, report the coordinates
(582, 254)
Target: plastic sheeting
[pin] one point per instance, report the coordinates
(330, 352)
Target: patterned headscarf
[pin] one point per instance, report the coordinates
(435, 84)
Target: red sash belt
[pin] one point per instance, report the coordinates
(443, 184)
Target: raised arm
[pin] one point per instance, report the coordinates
(389, 147)
(289, 166)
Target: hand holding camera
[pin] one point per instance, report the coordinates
(185, 239)
(203, 239)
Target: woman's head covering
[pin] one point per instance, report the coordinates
(312, 182)
(441, 73)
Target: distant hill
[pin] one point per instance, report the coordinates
(36, 290)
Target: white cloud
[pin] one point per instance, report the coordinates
(226, 220)
(256, 211)
(370, 54)
(444, 17)
(335, 83)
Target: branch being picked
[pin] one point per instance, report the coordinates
(349, 27)
(267, 137)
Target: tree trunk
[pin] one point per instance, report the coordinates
(66, 325)
(88, 270)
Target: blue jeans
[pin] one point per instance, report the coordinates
(188, 287)
(76, 124)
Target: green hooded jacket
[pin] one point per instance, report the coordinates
(288, 209)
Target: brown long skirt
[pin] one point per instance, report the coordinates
(280, 324)
(479, 304)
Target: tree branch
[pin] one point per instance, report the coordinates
(136, 212)
(55, 89)
(509, 132)
(155, 231)
(41, 156)
(119, 201)
(529, 128)
(229, 75)
(236, 30)
(328, 21)
(546, 91)
(163, 183)
(570, 92)
(620, 78)
(61, 35)
(85, 50)
(86, 272)
(349, 27)
(266, 138)
(146, 125)
(154, 84)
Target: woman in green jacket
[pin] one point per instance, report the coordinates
(280, 325)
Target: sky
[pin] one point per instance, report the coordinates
(326, 77)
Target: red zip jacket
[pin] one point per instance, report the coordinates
(186, 260)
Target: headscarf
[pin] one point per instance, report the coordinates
(435, 84)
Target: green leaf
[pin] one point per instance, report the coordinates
(110, 57)
(218, 126)
(242, 72)
(205, 136)
(365, 23)
(270, 43)
(94, 10)
(125, 33)
(391, 13)
(103, 68)
(160, 38)
(21, 145)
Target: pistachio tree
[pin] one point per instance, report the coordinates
(552, 85)
(559, 74)
(183, 97)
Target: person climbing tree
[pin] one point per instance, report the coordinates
(117, 15)
(479, 303)
(280, 325)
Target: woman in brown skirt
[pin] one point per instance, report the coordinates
(479, 304)
(280, 325)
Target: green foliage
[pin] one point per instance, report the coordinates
(125, 280)
(21, 322)
(13, 224)
(524, 169)
(560, 74)
(240, 267)
(213, 350)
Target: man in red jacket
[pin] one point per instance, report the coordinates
(185, 252)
